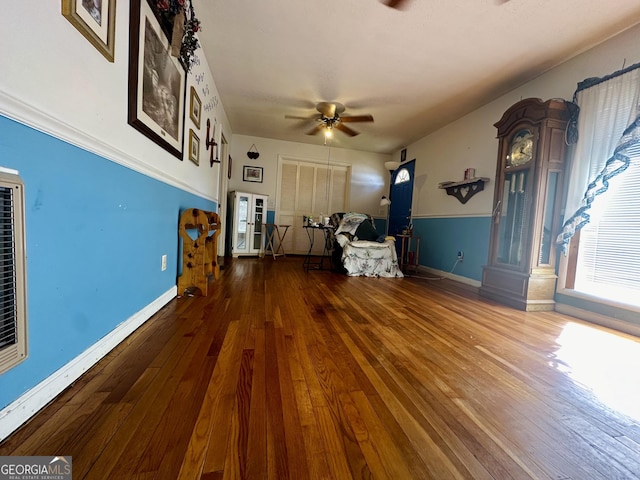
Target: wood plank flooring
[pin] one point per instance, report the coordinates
(286, 374)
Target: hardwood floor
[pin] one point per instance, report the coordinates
(283, 374)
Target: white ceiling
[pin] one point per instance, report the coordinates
(414, 70)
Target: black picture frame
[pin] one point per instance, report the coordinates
(157, 82)
(252, 174)
(403, 155)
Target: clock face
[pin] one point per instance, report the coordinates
(521, 149)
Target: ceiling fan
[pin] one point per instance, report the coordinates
(329, 118)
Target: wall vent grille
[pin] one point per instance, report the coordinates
(13, 315)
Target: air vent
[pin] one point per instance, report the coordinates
(13, 304)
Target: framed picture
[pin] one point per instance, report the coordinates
(194, 147)
(96, 20)
(252, 174)
(156, 82)
(403, 154)
(195, 110)
(229, 168)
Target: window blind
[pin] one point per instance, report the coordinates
(609, 255)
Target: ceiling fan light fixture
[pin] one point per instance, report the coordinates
(328, 131)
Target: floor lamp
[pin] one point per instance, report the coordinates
(385, 202)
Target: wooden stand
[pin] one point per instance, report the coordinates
(199, 256)
(409, 258)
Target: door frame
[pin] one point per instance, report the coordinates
(411, 167)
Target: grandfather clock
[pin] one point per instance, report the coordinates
(526, 216)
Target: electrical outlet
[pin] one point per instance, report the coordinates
(460, 255)
(164, 262)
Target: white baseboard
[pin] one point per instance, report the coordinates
(451, 276)
(27, 405)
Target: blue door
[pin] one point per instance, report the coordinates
(400, 194)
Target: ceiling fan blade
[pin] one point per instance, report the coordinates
(298, 117)
(345, 129)
(356, 118)
(315, 130)
(397, 4)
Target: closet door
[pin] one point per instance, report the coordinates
(309, 189)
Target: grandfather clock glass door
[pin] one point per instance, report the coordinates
(521, 269)
(514, 219)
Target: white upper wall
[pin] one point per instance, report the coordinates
(54, 80)
(369, 179)
(471, 140)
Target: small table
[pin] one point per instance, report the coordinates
(272, 230)
(405, 260)
(308, 264)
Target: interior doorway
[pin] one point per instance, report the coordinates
(224, 173)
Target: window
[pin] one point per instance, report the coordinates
(604, 259)
(13, 331)
(402, 176)
(608, 263)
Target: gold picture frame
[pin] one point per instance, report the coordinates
(194, 147)
(195, 109)
(88, 16)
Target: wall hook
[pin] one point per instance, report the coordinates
(253, 152)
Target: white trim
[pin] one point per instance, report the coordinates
(452, 215)
(30, 116)
(598, 319)
(568, 292)
(28, 404)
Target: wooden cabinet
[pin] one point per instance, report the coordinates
(526, 216)
(248, 214)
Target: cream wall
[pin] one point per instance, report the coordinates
(470, 141)
(54, 80)
(369, 179)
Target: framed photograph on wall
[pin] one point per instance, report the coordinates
(195, 109)
(252, 174)
(156, 82)
(194, 147)
(96, 20)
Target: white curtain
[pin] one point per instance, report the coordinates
(608, 125)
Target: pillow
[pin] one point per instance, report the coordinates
(366, 231)
(350, 222)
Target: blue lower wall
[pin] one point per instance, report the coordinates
(442, 238)
(95, 234)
